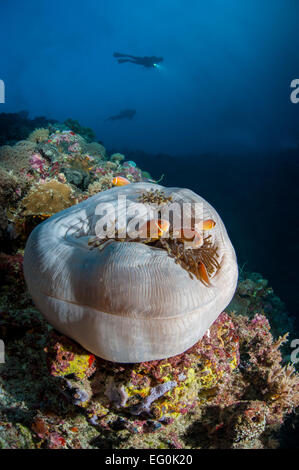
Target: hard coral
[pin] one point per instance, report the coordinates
(47, 198)
(12, 189)
(240, 401)
(16, 158)
(117, 157)
(69, 359)
(85, 132)
(39, 135)
(162, 389)
(232, 390)
(239, 425)
(244, 420)
(268, 380)
(253, 295)
(94, 148)
(101, 184)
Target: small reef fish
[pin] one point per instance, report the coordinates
(191, 238)
(154, 229)
(120, 181)
(206, 224)
(203, 274)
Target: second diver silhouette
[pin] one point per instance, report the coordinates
(125, 114)
(147, 62)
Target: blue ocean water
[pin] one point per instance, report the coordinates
(215, 115)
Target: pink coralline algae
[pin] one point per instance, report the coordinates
(232, 378)
(74, 147)
(59, 137)
(70, 359)
(163, 389)
(37, 162)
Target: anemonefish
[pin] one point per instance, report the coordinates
(120, 181)
(154, 229)
(192, 238)
(203, 274)
(206, 224)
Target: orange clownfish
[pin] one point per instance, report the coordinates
(191, 238)
(120, 181)
(206, 224)
(203, 274)
(154, 229)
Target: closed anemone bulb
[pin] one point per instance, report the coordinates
(129, 300)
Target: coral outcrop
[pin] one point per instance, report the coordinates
(39, 135)
(230, 390)
(70, 167)
(16, 158)
(45, 199)
(235, 388)
(160, 390)
(17, 126)
(85, 132)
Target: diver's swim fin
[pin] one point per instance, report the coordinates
(117, 54)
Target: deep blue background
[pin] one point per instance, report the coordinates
(220, 103)
(224, 84)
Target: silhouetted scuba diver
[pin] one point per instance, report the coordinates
(125, 114)
(147, 62)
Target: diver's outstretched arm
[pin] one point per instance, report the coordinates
(118, 54)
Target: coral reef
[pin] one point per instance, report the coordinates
(101, 184)
(85, 132)
(11, 189)
(235, 388)
(160, 390)
(230, 390)
(253, 295)
(179, 310)
(70, 168)
(12, 282)
(39, 135)
(16, 158)
(96, 149)
(117, 157)
(17, 126)
(47, 198)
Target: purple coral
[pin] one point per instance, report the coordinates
(116, 393)
(80, 396)
(156, 392)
